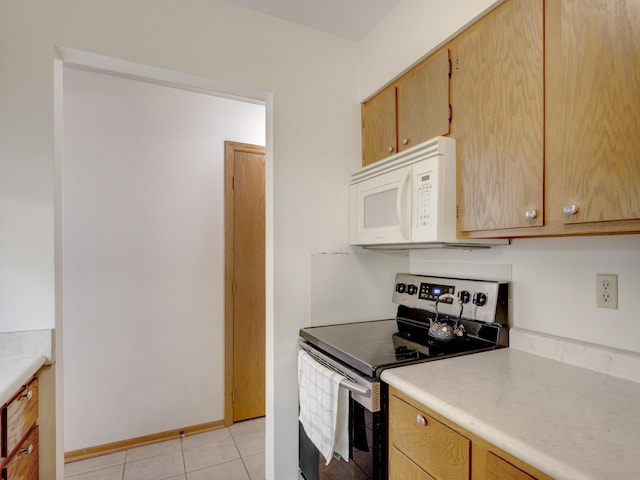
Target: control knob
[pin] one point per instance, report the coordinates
(480, 299)
(464, 296)
(400, 287)
(412, 289)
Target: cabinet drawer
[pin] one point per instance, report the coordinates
(21, 415)
(24, 464)
(499, 469)
(401, 468)
(437, 449)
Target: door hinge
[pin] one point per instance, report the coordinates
(450, 113)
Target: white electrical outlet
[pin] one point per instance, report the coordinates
(607, 290)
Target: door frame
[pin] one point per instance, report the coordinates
(230, 148)
(115, 66)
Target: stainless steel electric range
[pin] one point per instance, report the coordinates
(361, 351)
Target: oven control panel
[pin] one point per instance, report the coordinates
(482, 300)
(430, 291)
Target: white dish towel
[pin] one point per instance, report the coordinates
(324, 407)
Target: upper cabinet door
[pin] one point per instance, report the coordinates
(423, 101)
(497, 100)
(379, 126)
(593, 110)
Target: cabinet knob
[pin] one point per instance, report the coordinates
(28, 450)
(405, 141)
(570, 209)
(389, 149)
(531, 214)
(28, 395)
(420, 420)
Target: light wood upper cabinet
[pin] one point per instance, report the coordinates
(423, 101)
(593, 110)
(379, 138)
(497, 99)
(545, 110)
(413, 109)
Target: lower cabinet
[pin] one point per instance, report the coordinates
(401, 467)
(423, 445)
(500, 469)
(19, 444)
(24, 464)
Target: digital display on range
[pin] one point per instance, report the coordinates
(430, 291)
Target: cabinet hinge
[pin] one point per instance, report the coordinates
(450, 113)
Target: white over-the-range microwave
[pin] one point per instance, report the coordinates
(408, 200)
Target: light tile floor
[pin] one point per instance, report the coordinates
(234, 453)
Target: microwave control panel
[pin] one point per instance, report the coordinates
(425, 200)
(425, 190)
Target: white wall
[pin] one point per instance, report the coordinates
(553, 280)
(144, 254)
(408, 33)
(553, 283)
(316, 143)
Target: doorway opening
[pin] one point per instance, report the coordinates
(118, 68)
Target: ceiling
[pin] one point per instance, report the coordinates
(351, 19)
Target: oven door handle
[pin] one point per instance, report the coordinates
(355, 388)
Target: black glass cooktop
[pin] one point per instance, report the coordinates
(371, 347)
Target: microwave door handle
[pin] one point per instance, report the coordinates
(404, 228)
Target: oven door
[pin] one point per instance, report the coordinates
(367, 444)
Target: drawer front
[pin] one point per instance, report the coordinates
(401, 468)
(24, 464)
(499, 469)
(22, 413)
(441, 452)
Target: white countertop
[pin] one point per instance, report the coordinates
(568, 422)
(15, 372)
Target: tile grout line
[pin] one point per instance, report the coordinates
(184, 462)
(124, 465)
(239, 453)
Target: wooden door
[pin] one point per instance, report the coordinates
(245, 282)
(593, 109)
(497, 100)
(379, 138)
(423, 101)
